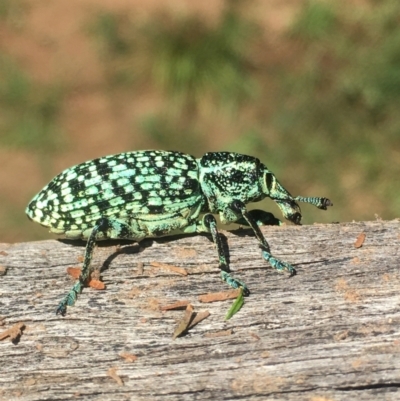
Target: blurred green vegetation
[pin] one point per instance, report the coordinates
(28, 111)
(318, 103)
(197, 65)
(29, 121)
(329, 114)
(339, 107)
(161, 129)
(201, 66)
(12, 12)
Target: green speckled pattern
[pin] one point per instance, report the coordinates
(119, 187)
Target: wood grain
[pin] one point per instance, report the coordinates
(330, 333)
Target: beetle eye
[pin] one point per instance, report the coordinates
(269, 179)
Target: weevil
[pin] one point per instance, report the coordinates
(153, 193)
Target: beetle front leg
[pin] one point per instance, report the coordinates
(209, 224)
(239, 208)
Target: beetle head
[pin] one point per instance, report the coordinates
(273, 189)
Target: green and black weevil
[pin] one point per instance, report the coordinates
(153, 193)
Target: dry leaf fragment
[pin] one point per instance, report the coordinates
(97, 284)
(198, 318)
(221, 333)
(175, 306)
(184, 323)
(112, 372)
(219, 296)
(13, 332)
(360, 240)
(75, 272)
(128, 357)
(94, 281)
(176, 269)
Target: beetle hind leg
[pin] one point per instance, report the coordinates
(103, 229)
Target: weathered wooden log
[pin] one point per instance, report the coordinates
(332, 332)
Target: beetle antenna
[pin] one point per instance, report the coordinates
(320, 203)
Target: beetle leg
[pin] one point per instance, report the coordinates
(104, 228)
(209, 224)
(240, 208)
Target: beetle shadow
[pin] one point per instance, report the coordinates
(242, 232)
(129, 247)
(17, 337)
(224, 241)
(225, 247)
